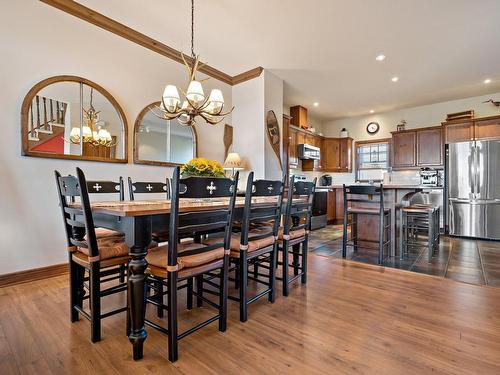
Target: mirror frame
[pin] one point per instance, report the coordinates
(67, 78)
(137, 125)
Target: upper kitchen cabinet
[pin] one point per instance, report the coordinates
(417, 148)
(483, 128)
(430, 147)
(458, 131)
(403, 149)
(337, 155)
(487, 128)
(299, 116)
(292, 148)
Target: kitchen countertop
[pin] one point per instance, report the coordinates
(390, 186)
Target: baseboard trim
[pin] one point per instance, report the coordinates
(26, 276)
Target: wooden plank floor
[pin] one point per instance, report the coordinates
(350, 318)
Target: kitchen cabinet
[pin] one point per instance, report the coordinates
(430, 147)
(337, 155)
(293, 159)
(339, 206)
(417, 148)
(459, 131)
(299, 116)
(330, 208)
(487, 128)
(403, 149)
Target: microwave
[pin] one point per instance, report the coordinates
(308, 152)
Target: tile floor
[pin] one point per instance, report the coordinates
(467, 260)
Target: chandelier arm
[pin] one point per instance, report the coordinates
(165, 107)
(188, 67)
(210, 121)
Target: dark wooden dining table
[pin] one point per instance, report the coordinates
(138, 220)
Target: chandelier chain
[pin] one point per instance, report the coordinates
(192, 29)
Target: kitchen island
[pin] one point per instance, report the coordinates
(394, 194)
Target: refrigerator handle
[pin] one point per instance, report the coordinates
(472, 168)
(476, 171)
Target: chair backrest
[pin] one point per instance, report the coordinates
(364, 196)
(263, 211)
(140, 187)
(78, 222)
(300, 201)
(217, 193)
(107, 187)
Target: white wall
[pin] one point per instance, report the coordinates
(37, 42)
(248, 126)
(273, 98)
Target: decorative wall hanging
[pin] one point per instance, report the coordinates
(228, 139)
(273, 133)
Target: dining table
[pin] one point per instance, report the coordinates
(138, 220)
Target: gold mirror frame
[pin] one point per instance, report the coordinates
(137, 125)
(66, 78)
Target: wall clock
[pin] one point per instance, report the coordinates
(372, 127)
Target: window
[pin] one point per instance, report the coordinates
(372, 160)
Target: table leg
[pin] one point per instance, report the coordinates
(138, 237)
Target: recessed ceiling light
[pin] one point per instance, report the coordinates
(380, 57)
(487, 81)
(315, 104)
(372, 111)
(395, 79)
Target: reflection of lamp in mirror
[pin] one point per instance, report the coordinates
(101, 137)
(233, 163)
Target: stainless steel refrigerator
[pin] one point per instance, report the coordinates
(473, 186)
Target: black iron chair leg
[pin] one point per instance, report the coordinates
(344, 236)
(285, 267)
(122, 273)
(173, 350)
(295, 257)
(243, 286)
(304, 261)
(189, 300)
(272, 274)
(74, 298)
(223, 292)
(95, 301)
(199, 290)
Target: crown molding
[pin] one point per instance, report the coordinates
(117, 28)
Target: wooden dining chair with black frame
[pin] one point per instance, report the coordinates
(294, 235)
(103, 258)
(140, 187)
(367, 201)
(176, 261)
(256, 245)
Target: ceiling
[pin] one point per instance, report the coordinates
(325, 49)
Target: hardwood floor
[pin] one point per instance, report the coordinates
(467, 260)
(349, 318)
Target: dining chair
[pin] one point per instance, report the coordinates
(294, 234)
(366, 201)
(255, 242)
(175, 262)
(141, 187)
(101, 257)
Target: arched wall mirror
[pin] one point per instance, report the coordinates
(162, 142)
(69, 117)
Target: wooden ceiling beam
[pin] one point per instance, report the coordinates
(115, 27)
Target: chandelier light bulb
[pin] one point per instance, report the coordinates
(216, 101)
(195, 92)
(171, 98)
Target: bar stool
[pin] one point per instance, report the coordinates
(366, 206)
(417, 219)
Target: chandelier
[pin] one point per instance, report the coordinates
(195, 103)
(100, 137)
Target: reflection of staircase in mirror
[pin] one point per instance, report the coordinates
(47, 118)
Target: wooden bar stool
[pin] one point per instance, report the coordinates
(359, 200)
(415, 220)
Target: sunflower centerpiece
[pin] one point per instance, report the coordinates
(202, 167)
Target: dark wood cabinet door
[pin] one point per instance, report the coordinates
(292, 148)
(430, 147)
(345, 154)
(339, 206)
(332, 155)
(301, 138)
(459, 132)
(403, 149)
(330, 207)
(487, 129)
